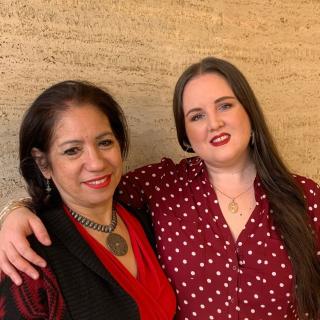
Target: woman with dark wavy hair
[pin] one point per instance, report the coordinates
(236, 232)
(73, 139)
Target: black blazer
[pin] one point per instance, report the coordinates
(89, 290)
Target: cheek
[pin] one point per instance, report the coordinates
(118, 170)
(247, 127)
(61, 169)
(244, 119)
(195, 132)
(63, 174)
(116, 162)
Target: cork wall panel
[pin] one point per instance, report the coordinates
(137, 49)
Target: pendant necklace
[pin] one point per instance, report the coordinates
(233, 206)
(114, 241)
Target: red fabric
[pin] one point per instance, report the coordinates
(214, 276)
(34, 299)
(151, 290)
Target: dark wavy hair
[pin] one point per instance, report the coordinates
(289, 212)
(38, 125)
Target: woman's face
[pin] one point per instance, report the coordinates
(217, 125)
(85, 160)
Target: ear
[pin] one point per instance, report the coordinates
(42, 162)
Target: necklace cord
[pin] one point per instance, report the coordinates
(233, 206)
(233, 198)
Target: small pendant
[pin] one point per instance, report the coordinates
(117, 244)
(233, 207)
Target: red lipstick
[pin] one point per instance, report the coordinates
(220, 139)
(99, 182)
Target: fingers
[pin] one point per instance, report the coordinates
(9, 270)
(15, 250)
(39, 231)
(20, 257)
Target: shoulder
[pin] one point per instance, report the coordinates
(311, 192)
(154, 167)
(165, 166)
(309, 186)
(138, 188)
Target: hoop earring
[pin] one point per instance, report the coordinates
(48, 187)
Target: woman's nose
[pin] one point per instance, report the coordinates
(214, 122)
(95, 160)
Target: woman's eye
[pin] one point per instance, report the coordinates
(71, 151)
(106, 143)
(225, 106)
(197, 117)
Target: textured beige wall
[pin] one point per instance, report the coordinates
(137, 49)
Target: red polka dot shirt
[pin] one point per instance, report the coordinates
(214, 276)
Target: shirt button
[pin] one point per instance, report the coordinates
(234, 268)
(232, 300)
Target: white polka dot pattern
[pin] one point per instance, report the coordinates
(214, 277)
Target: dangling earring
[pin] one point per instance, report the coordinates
(48, 187)
(187, 146)
(252, 139)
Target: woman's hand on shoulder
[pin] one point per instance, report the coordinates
(15, 251)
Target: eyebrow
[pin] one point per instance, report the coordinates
(215, 101)
(75, 141)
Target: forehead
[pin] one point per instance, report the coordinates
(206, 85)
(80, 121)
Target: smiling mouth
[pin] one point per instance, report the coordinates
(220, 140)
(99, 183)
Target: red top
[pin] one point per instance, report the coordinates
(151, 289)
(214, 276)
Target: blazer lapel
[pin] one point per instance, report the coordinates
(62, 228)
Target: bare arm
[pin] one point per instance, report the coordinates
(15, 250)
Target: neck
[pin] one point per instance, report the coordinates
(241, 173)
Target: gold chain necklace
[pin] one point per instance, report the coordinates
(233, 206)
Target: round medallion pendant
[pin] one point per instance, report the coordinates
(117, 244)
(233, 207)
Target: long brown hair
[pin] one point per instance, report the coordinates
(289, 211)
